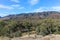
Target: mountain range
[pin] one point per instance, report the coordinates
(33, 16)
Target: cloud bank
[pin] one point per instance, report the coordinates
(41, 9)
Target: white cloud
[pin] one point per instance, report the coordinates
(11, 7)
(3, 14)
(5, 7)
(17, 1)
(33, 2)
(57, 8)
(41, 9)
(16, 5)
(38, 9)
(21, 8)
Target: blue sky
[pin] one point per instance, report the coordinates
(24, 6)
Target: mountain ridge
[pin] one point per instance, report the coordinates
(35, 15)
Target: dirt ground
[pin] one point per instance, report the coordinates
(48, 37)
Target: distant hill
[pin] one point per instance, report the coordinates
(33, 16)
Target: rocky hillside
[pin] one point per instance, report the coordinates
(33, 16)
